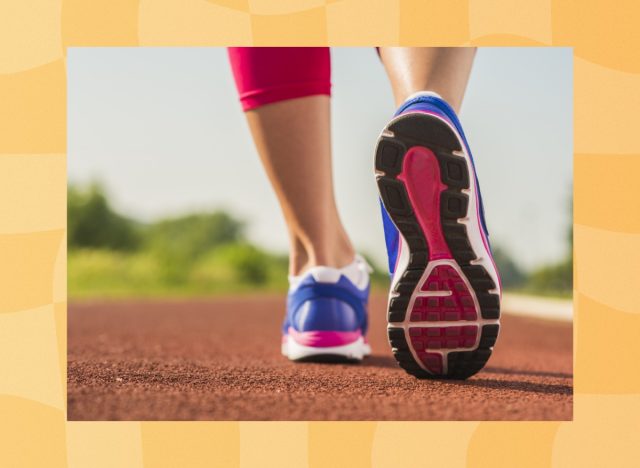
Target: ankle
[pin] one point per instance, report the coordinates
(334, 259)
(340, 254)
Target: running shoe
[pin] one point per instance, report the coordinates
(444, 302)
(326, 318)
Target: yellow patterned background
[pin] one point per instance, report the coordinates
(34, 36)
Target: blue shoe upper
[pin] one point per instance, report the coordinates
(316, 306)
(438, 106)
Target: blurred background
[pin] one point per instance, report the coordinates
(167, 196)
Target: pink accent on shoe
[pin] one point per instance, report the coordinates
(421, 175)
(324, 339)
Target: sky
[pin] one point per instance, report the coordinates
(162, 130)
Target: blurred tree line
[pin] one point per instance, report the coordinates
(92, 223)
(555, 279)
(194, 253)
(206, 253)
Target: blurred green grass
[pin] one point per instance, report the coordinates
(230, 269)
(208, 253)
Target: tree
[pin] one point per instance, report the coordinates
(92, 223)
(178, 242)
(557, 277)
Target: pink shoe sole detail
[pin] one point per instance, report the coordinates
(421, 176)
(423, 338)
(457, 306)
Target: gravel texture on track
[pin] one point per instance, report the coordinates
(219, 359)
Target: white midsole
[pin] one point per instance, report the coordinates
(294, 350)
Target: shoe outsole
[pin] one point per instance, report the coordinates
(328, 359)
(408, 343)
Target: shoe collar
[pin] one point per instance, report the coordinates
(357, 272)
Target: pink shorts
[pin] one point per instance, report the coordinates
(265, 75)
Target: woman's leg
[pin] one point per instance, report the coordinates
(285, 93)
(444, 70)
(293, 139)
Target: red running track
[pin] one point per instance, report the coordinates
(219, 359)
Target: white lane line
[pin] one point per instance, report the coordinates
(537, 307)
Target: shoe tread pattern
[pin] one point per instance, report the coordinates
(430, 132)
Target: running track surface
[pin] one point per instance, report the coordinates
(219, 359)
